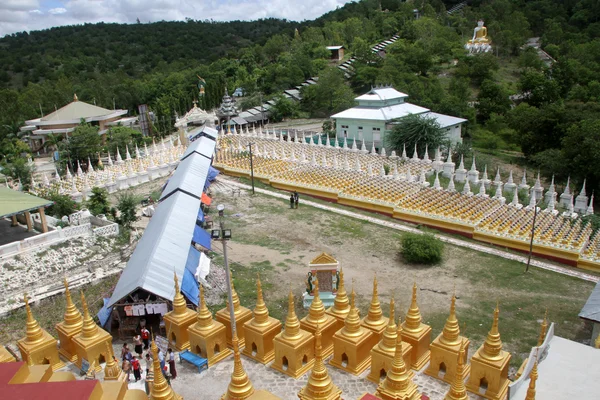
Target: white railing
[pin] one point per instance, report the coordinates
(108, 230)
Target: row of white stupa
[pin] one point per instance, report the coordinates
(116, 175)
(573, 205)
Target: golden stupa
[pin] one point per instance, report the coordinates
(260, 331)
(241, 315)
(294, 347)
(240, 387)
(6, 356)
(160, 390)
(112, 370)
(317, 316)
(398, 384)
(179, 320)
(90, 344)
(69, 327)
(319, 385)
(382, 354)
(458, 391)
(533, 376)
(489, 366)
(446, 348)
(417, 334)
(207, 337)
(38, 346)
(341, 305)
(352, 344)
(375, 321)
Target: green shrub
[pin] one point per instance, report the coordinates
(421, 249)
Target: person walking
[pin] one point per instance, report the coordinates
(292, 200)
(145, 333)
(148, 363)
(135, 364)
(161, 358)
(172, 369)
(296, 199)
(126, 366)
(137, 341)
(124, 351)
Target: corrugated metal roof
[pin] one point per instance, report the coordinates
(445, 120)
(13, 202)
(162, 250)
(190, 175)
(387, 93)
(591, 309)
(334, 47)
(205, 131)
(203, 146)
(381, 114)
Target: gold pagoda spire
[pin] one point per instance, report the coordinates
(319, 385)
(240, 387)
(451, 332)
(458, 390)
(179, 304)
(341, 303)
(412, 322)
(112, 371)
(543, 329)
(292, 325)
(492, 347)
(261, 312)
(533, 375)
(352, 321)
(597, 342)
(161, 390)
(34, 332)
(234, 297)
(316, 311)
(72, 315)
(374, 315)
(388, 342)
(89, 329)
(204, 317)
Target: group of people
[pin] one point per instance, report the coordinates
(294, 200)
(131, 363)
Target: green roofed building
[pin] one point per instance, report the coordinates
(13, 203)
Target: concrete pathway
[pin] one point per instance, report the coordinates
(444, 238)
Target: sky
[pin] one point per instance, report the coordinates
(28, 15)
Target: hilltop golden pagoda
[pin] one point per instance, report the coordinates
(90, 344)
(319, 385)
(398, 384)
(260, 331)
(458, 391)
(38, 346)
(112, 370)
(294, 347)
(341, 304)
(445, 349)
(382, 354)
(207, 337)
(417, 334)
(6, 356)
(69, 327)
(317, 317)
(241, 316)
(489, 366)
(179, 320)
(161, 390)
(375, 321)
(352, 344)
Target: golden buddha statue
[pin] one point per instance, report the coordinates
(480, 43)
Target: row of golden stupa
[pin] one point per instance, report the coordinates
(392, 351)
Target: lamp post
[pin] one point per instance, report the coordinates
(532, 233)
(223, 235)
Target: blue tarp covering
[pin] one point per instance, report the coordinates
(201, 237)
(200, 216)
(212, 174)
(104, 313)
(193, 260)
(189, 286)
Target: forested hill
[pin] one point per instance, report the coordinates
(135, 48)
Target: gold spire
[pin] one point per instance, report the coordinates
(341, 303)
(451, 330)
(204, 317)
(388, 342)
(412, 322)
(316, 312)
(292, 325)
(112, 369)
(90, 329)
(235, 297)
(261, 312)
(160, 389)
(319, 385)
(72, 315)
(240, 386)
(458, 391)
(179, 304)
(543, 330)
(492, 347)
(352, 321)
(34, 332)
(533, 375)
(375, 313)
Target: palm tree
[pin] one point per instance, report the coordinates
(52, 141)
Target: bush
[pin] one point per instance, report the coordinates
(98, 203)
(63, 205)
(421, 249)
(126, 204)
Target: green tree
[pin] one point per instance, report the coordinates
(421, 249)
(283, 108)
(478, 67)
(580, 148)
(492, 98)
(120, 136)
(84, 142)
(19, 169)
(415, 130)
(330, 95)
(126, 204)
(538, 89)
(62, 205)
(98, 202)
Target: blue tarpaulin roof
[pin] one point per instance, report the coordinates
(193, 260)
(200, 216)
(201, 237)
(104, 313)
(189, 286)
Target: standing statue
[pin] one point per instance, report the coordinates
(480, 43)
(309, 284)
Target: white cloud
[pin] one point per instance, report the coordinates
(27, 15)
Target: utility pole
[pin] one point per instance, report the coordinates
(221, 208)
(251, 167)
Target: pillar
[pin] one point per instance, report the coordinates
(14, 221)
(28, 220)
(43, 220)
